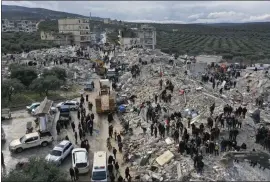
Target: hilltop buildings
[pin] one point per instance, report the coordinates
(18, 26)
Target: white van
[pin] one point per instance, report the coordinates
(80, 159)
(99, 172)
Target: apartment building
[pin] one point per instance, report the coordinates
(57, 38)
(147, 35)
(18, 26)
(80, 28)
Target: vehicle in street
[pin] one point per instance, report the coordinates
(5, 114)
(111, 74)
(73, 105)
(80, 160)
(3, 135)
(33, 106)
(52, 110)
(31, 140)
(99, 172)
(105, 102)
(60, 152)
(88, 86)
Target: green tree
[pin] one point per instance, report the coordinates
(60, 73)
(37, 169)
(23, 73)
(10, 87)
(45, 84)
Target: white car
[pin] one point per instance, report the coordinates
(73, 105)
(80, 160)
(33, 106)
(52, 110)
(60, 152)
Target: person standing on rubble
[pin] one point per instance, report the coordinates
(110, 117)
(160, 84)
(244, 111)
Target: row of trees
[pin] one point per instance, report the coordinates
(26, 78)
(17, 42)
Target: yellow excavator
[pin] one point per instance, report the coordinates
(100, 69)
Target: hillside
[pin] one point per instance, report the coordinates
(20, 12)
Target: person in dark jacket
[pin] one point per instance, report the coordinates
(110, 117)
(76, 136)
(2, 159)
(114, 152)
(112, 178)
(127, 173)
(110, 168)
(110, 159)
(72, 174)
(116, 167)
(120, 179)
(76, 172)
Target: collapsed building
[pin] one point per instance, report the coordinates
(157, 159)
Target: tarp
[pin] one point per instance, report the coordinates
(122, 108)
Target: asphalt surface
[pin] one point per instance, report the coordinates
(16, 128)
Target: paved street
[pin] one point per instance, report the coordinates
(16, 128)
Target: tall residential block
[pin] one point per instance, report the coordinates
(80, 29)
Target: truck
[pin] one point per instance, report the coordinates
(31, 140)
(105, 101)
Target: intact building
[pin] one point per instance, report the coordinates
(18, 26)
(80, 29)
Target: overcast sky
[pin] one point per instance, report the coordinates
(162, 11)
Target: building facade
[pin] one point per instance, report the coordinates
(80, 29)
(57, 38)
(18, 26)
(147, 35)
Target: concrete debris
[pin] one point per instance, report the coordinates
(165, 158)
(193, 98)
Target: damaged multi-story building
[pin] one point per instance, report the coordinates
(57, 38)
(80, 29)
(144, 36)
(18, 26)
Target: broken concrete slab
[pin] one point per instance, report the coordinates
(164, 158)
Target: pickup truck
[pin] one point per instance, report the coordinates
(30, 140)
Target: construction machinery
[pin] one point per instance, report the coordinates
(99, 68)
(105, 102)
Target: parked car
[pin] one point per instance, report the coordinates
(80, 159)
(52, 110)
(73, 105)
(60, 152)
(31, 140)
(33, 106)
(5, 114)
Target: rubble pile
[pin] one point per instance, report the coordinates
(77, 72)
(144, 149)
